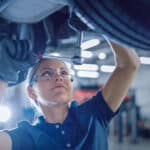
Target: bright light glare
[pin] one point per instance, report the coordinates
(107, 68)
(88, 67)
(87, 74)
(102, 56)
(5, 114)
(54, 54)
(86, 54)
(145, 60)
(90, 43)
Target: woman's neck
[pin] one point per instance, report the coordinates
(55, 114)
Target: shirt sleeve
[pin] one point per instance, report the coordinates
(21, 140)
(102, 108)
(98, 107)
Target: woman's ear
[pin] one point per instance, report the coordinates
(31, 93)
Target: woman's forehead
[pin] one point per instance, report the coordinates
(52, 63)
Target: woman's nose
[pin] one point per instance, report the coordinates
(58, 76)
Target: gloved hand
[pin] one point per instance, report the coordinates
(15, 60)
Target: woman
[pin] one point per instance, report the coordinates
(82, 127)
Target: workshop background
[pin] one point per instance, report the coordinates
(72, 30)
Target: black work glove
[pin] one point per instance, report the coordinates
(15, 60)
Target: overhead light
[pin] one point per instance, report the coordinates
(88, 67)
(145, 60)
(86, 54)
(5, 114)
(54, 54)
(90, 43)
(107, 68)
(87, 74)
(102, 56)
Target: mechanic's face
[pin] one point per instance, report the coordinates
(53, 85)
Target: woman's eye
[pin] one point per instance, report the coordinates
(64, 73)
(46, 73)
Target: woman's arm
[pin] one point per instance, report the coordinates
(116, 88)
(5, 140)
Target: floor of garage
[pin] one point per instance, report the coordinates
(128, 145)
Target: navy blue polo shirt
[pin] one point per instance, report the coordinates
(85, 128)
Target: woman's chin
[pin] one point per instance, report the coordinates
(60, 99)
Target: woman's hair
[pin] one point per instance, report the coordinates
(33, 71)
